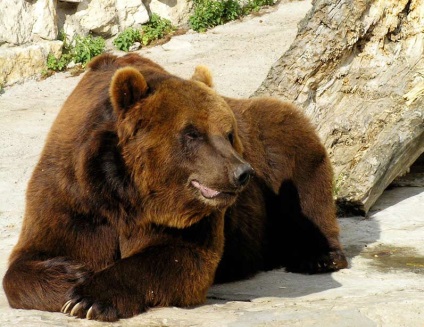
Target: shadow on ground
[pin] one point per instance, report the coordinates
(357, 234)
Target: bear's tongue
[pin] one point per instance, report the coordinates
(206, 191)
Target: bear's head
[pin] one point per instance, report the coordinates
(180, 143)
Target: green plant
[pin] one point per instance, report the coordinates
(79, 50)
(255, 5)
(66, 46)
(127, 38)
(58, 64)
(155, 29)
(85, 48)
(232, 10)
(337, 183)
(210, 13)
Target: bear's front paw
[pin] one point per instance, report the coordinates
(326, 262)
(102, 303)
(90, 309)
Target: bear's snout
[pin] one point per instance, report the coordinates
(241, 174)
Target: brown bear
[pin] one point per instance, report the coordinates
(151, 187)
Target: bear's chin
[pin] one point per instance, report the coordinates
(221, 202)
(211, 197)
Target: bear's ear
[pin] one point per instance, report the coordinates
(127, 88)
(202, 74)
(102, 61)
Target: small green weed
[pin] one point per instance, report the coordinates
(127, 38)
(58, 64)
(255, 5)
(155, 29)
(210, 13)
(337, 183)
(80, 50)
(86, 48)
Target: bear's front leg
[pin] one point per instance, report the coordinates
(161, 275)
(314, 237)
(34, 281)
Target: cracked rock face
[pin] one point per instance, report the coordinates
(37, 20)
(21, 62)
(357, 72)
(29, 29)
(31, 21)
(102, 17)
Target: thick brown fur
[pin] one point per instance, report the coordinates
(294, 174)
(142, 197)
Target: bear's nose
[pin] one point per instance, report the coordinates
(242, 174)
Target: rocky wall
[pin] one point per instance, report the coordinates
(26, 25)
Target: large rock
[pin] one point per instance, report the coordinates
(45, 25)
(131, 13)
(26, 21)
(358, 72)
(26, 61)
(102, 17)
(176, 11)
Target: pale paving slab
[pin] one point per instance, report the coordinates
(384, 285)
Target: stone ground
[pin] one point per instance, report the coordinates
(384, 285)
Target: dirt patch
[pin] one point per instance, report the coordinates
(389, 258)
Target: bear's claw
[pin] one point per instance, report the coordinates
(66, 306)
(76, 309)
(89, 315)
(323, 263)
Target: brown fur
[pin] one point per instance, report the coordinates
(143, 177)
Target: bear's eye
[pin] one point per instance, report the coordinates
(230, 137)
(191, 133)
